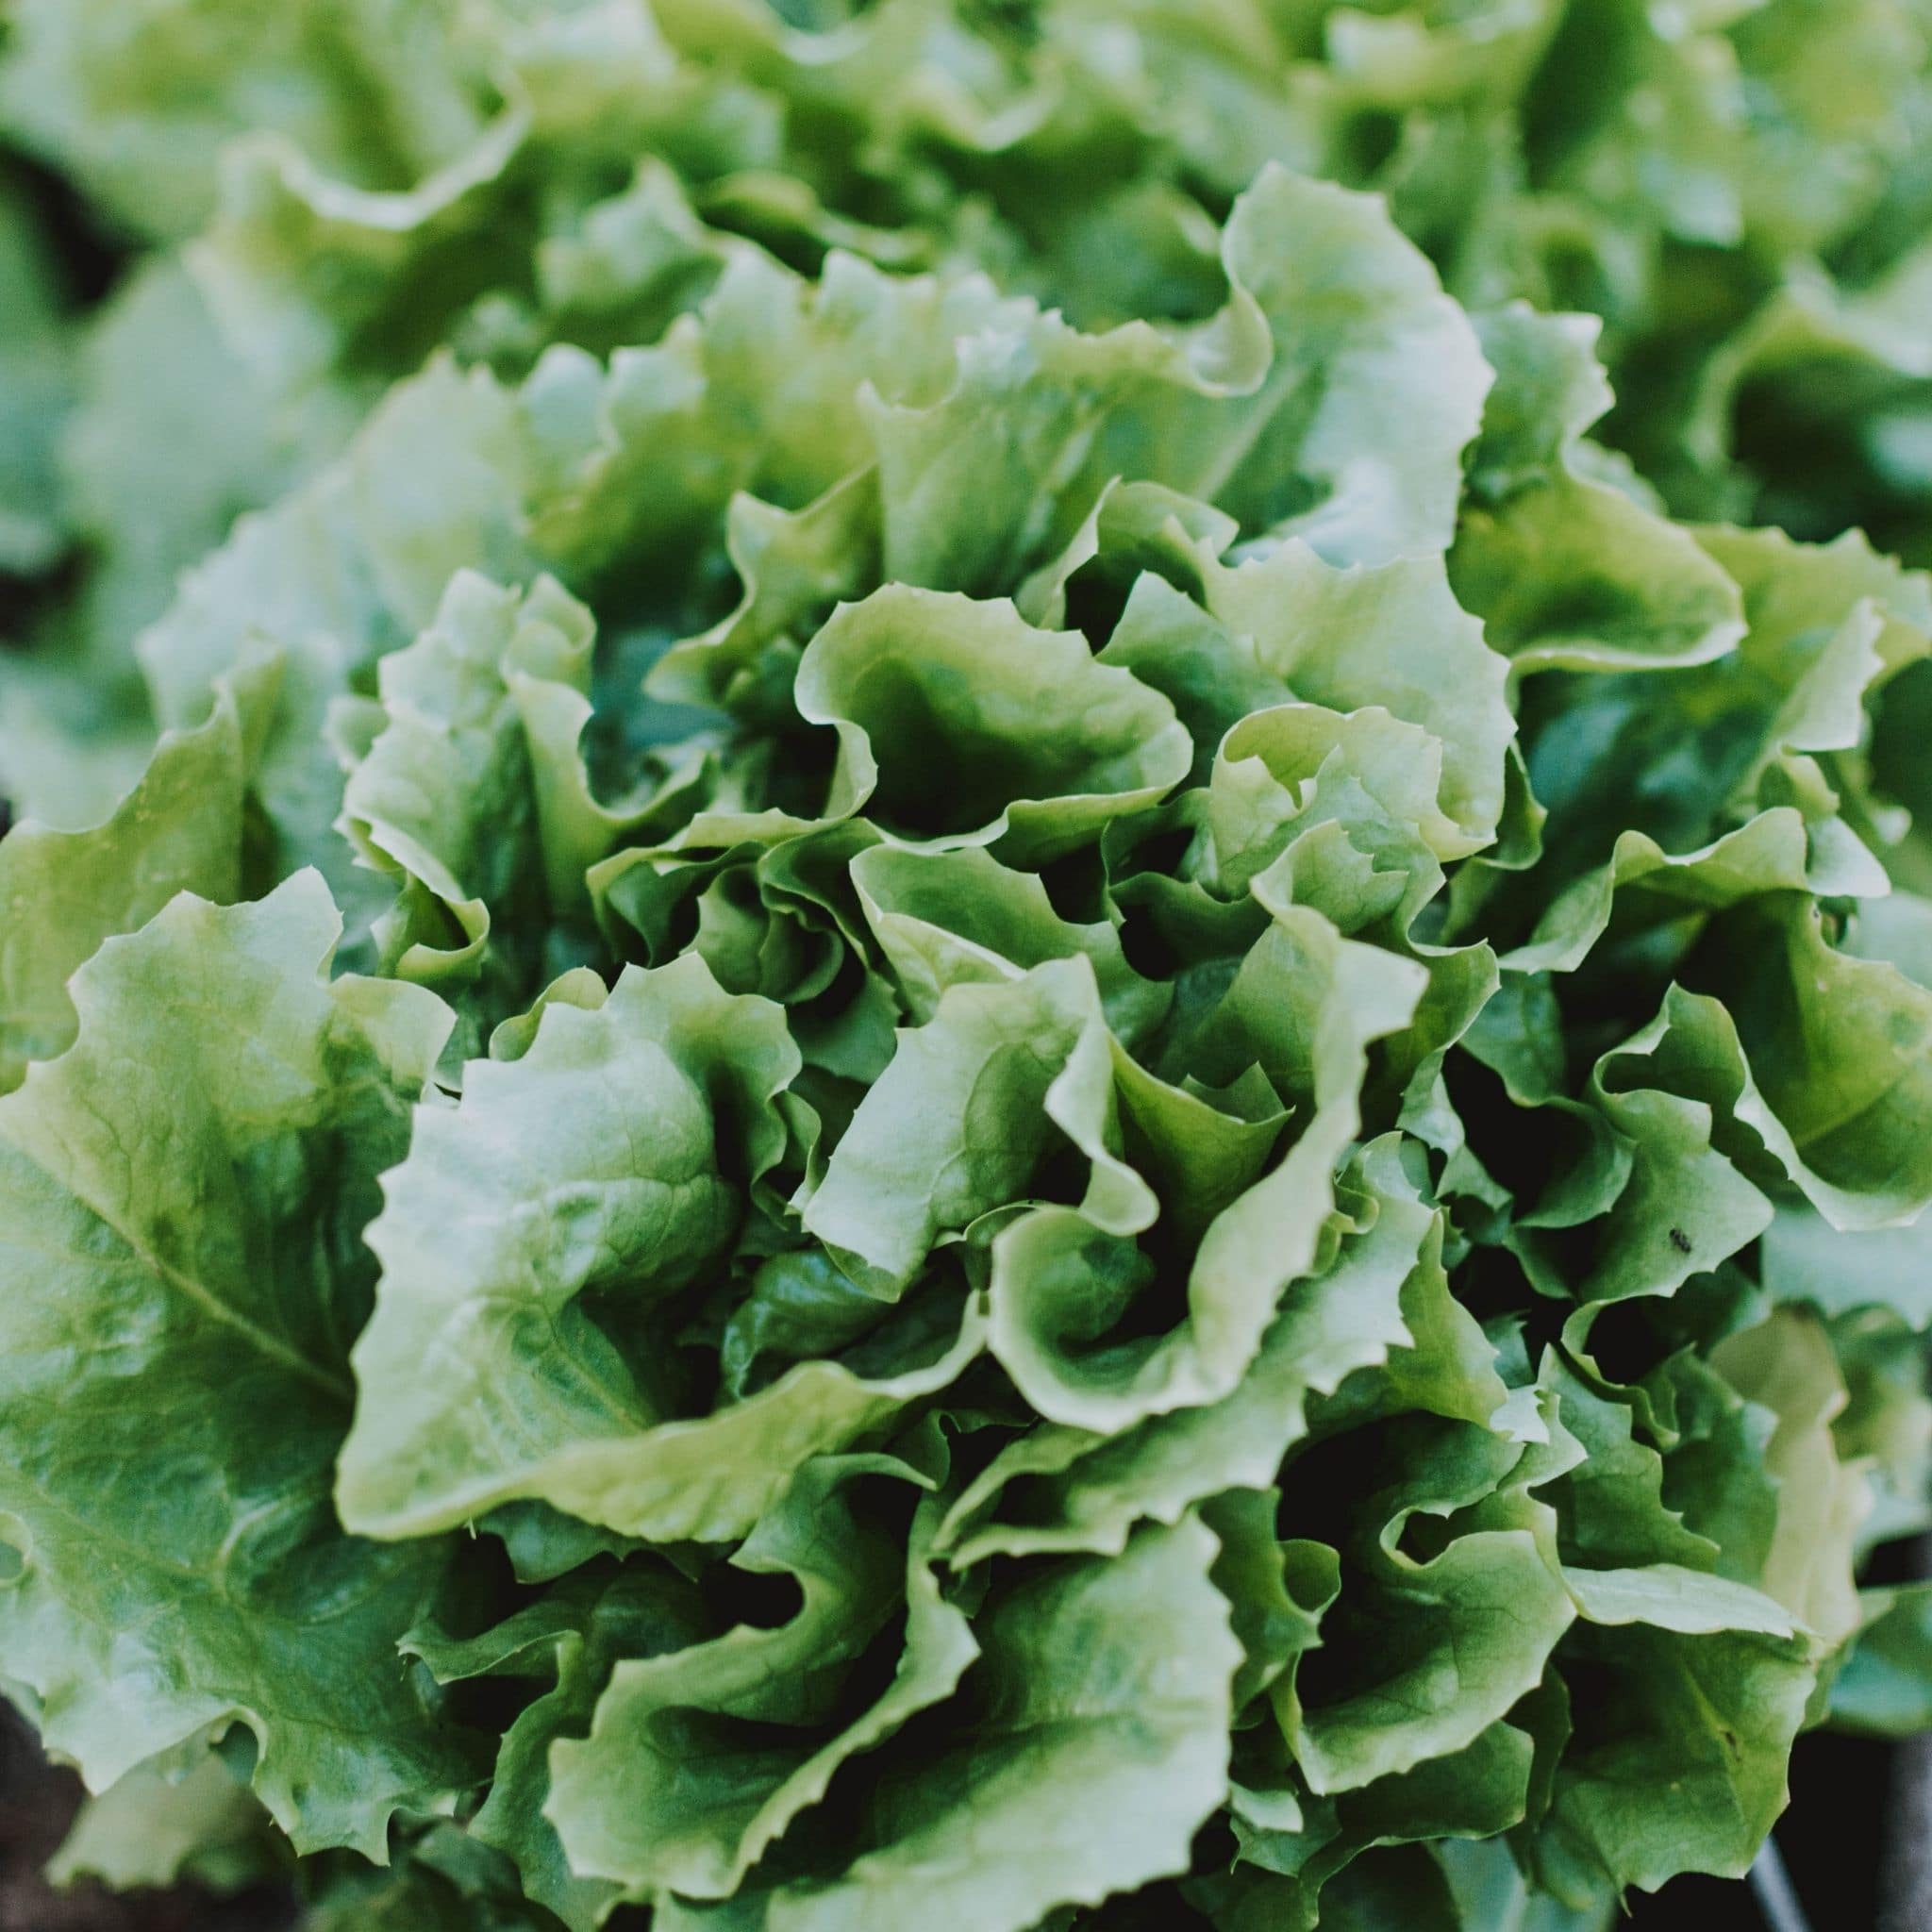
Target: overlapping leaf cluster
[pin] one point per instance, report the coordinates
(971, 1051)
(328, 192)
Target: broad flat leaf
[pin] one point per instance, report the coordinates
(1085, 1491)
(1610, 1507)
(1806, 1259)
(1645, 887)
(699, 1759)
(1785, 1365)
(575, 1635)
(945, 919)
(185, 1192)
(343, 569)
(61, 894)
(1305, 1007)
(707, 1476)
(157, 472)
(491, 1242)
(1885, 1688)
(1346, 444)
(138, 107)
(1678, 1761)
(1569, 574)
(1291, 626)
(1080, 1704)
(151, 1828)
(1297, 410)
(1672, 1204)
(442, 793)
(1833, 1120)
(1847, 1099)
(1549, 389)
(955, 1127)
(1428, 1654)
(959, 723)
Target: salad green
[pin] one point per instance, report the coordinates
(964, 961)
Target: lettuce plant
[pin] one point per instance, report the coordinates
(324, 192)
(965, 1043)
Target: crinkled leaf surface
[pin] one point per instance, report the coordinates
(187, 1188)
(1177, 1157)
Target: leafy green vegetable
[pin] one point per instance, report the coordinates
(187, 1189)
(960, 962)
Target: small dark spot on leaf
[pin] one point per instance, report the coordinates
(1680, 1240)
